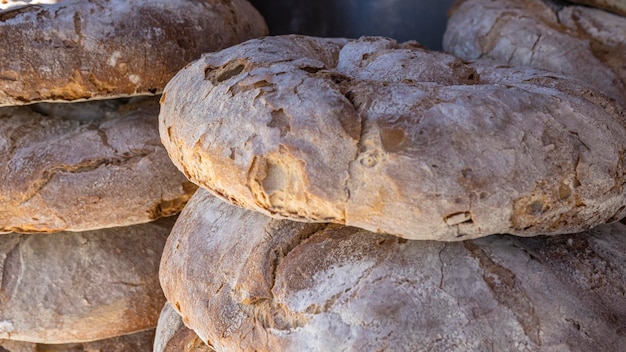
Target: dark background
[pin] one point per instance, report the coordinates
(421, 20)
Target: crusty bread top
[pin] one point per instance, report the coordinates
(79, 49)
(70, 174)
(393, 138)
(577, 41)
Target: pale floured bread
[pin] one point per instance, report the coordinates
(66, 174)
(173, 336)
(79, 49)
(73, 287)
(244, 281)
(137, 342)
(392, 138)
(577, 41)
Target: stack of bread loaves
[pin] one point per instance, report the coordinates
(82, 184)
(336, 155)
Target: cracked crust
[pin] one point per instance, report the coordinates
(70, 174)
(70, 287)
(576, 41)
(244, 281)
(395, 139)
(112, 48)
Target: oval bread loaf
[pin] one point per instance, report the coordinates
(392, 138)
(71, 287)
(577, 41)
(71, 174)
(79, 49)
(244, 281)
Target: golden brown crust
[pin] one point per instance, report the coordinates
(69, 174)
(78, 49)
(392, 138)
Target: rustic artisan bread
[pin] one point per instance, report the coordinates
(392, 138)
(173, 336)
(73, 287)
(137, 342)
(617, 6)
(79, 49)
(68, 174)
(578, 41)
(244, 281)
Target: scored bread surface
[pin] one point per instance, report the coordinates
(79, 49)
(396, 139)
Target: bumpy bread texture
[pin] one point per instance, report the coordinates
(67, 174)
(137, 342)
(577, 41)
(79, 49)
(392, 138)
(617, 6)
(173, 336)
(73, 287)
(244, 281)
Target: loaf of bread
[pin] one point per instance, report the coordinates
(70, 174)
(173, 336)
(71, 287)
(137, 342)
(395, 139)
(79, 49)
(244, 281)
(577, 41)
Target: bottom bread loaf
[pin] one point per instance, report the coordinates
(72, 287)
(244, 281)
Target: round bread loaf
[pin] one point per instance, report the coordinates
(137, 342)
(577, 41)
(79, 49)
(173, 336)
(392, 138)
(81, 286)
(68, 174)
(244, 281)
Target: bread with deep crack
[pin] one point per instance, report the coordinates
(244, 281)
(70, 173)
(393, 138)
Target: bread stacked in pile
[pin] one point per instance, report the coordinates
(355, 194)
(87, 190)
